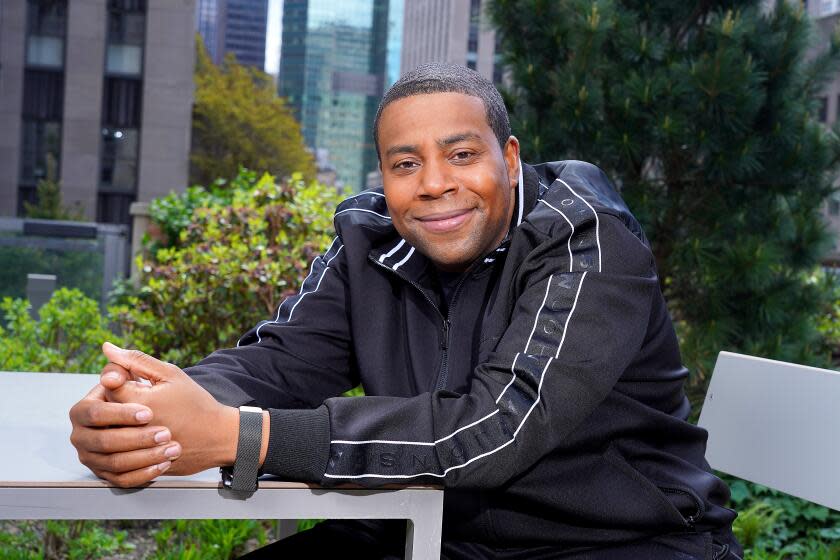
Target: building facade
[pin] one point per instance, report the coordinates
(334, 66)
(826, 16)
(234, 26)
(96, 95)
(209, 22)
(457, 31)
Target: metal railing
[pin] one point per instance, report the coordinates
(83, 255)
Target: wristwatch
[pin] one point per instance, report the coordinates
(242, 477)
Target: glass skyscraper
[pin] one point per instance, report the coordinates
(236, 26)
(336, 60)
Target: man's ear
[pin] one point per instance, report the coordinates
(511, 155)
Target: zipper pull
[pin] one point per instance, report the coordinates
(445, 344)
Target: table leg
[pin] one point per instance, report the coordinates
(422, 538)
(285, 528)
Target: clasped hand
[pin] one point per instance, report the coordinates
(128, 432)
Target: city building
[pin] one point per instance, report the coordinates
(826, 16)
(234, 26)
(457, 31)
(96, 94)
(336, 60)
(209, 22)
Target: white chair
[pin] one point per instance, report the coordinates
(775, 424)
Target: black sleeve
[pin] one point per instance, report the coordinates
(291, 363)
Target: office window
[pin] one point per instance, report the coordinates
(498, 72)
(126, 27)
(122, 102)
(127, 5)
(46, 18)
(498, 69)
(822, 109)
(40, 149)
(834, 206)
(472, 41)
(119, 159)
(43, 95)
(124, 59)
(472, 36)
(45, 26)
(126, 36)
(45, 51)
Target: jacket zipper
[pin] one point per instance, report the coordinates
(699, 509)
(443, 373)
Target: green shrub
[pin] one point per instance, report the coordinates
(206, 539)
(829, 320)
(66, 338)
(227, 257)
(49, 540)
(770, 521)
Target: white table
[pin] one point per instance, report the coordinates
(41, 477)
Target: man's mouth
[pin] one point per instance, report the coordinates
(442, 222)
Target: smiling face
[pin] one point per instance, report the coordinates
(448, 184)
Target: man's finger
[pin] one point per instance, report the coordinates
(114, 375)
(96, 393)
(117, 440)
(128, 461)
(130, 392)
(100, 414)
(134, 478)
(139, 364)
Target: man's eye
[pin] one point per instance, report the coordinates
(406, 164)
(462, 155)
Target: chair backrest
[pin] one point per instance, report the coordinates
(776, 424)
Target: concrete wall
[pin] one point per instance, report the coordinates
(12, 51)
(169, 61)
(438, 31)
(81, 131)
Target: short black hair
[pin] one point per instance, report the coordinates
(442, 77)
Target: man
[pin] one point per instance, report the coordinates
(507, 326)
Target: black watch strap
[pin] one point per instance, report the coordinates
(243, 477)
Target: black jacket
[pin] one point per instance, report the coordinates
(548, 400)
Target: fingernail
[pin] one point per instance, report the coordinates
(172, 451)
(111, 376)
(163, 467)
(143, 415)
(162, 436)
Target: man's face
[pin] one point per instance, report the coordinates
(448, 184)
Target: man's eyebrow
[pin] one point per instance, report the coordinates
(455, 138)
(442, 142)
(403, 149)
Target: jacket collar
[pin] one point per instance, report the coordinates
(398, 255)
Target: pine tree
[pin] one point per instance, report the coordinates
(239, 121)
(703, 113)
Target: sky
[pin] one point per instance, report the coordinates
(273, 34)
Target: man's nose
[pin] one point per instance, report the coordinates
(436, 181)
